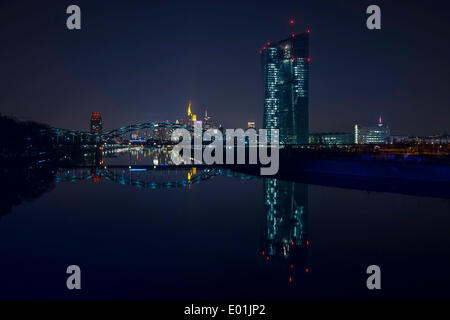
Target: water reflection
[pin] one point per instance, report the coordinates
(117, 195)
(139, 177)
(286, 207)
(23, 182)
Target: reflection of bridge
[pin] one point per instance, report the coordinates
(80, 137)
(147, 177)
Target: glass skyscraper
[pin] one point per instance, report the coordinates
(285, 66)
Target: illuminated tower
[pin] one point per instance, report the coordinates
(191, 118)
(285, 66)
(96, 123)
(189, 113)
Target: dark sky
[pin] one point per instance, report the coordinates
(142, 61)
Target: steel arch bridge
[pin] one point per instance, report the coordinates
(141, 126)
(72, 136)
(145, 178)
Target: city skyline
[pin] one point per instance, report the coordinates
(120, 68)
(191, 154)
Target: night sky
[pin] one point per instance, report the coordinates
(143, 60)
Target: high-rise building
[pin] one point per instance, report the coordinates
(372, 134)
(96, 123)
(207, 122)
(191, 118)
(285, 66)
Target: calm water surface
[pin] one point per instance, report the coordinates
(156, 235)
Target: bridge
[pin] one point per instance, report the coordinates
(68, 136)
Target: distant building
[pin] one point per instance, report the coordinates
(96, 123)
(251, 125)
(207, 122)
(198, 135)
(162, 133)
(331, 138)
(372, 135)
(437, 139)
(285, 66)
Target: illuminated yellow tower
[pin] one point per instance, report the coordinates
(191, 117)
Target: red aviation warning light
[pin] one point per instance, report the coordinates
(308, 31)
(291, 28)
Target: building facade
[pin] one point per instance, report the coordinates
(96, 123)
(331, 138)
(378, 134)
(285, 66)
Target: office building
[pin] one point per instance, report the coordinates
(378, 134)
(331, 138)
(285, 66)
(96, 123)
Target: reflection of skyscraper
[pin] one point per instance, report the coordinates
(285, 67)
(286, 205)
(96, 123)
